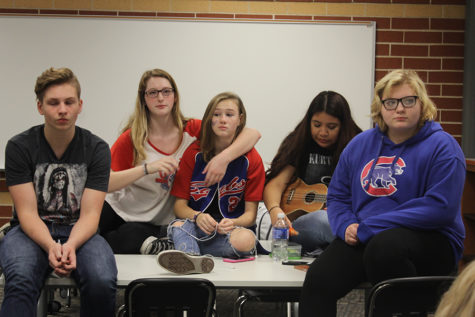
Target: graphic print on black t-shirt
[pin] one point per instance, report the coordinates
(318, 169)
(59, 190)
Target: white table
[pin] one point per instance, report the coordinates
(260, 273)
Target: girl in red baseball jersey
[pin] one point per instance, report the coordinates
(215, 219)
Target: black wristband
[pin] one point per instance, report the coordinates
(196, 216)
(145, 170)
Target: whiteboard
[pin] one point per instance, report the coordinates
(277, 68)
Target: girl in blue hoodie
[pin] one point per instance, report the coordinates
(393, 201)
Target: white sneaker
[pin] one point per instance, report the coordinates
(182, 263)
(154, 245)
(4, 229)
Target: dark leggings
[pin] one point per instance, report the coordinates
(398, 252)
(126, 237)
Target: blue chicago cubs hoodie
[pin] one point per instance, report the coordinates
(416, 184)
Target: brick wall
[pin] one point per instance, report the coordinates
(424, 35)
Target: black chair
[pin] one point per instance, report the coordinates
(408, 296)
(289, 297)
(167, 297)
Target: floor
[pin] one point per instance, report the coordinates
(351, 305)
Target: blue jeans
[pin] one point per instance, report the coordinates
(191, 239)
(314, 231)
(26, 266)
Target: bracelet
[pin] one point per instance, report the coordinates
(196, 216)
(273, 207)
(145, 170)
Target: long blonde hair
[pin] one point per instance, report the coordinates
(207, 136)
(400, 77)
(138, 122)
(459, 300)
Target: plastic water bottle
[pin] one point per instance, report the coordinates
(280, 239)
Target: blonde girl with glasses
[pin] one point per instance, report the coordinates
(145, 159)
(394, 199)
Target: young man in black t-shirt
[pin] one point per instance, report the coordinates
(57, 174)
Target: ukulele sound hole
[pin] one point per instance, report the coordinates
(310, 197)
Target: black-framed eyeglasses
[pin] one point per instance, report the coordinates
(407, 102)
(153, 93)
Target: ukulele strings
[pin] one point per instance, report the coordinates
(305, 195)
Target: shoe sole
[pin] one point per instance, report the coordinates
(181, 263)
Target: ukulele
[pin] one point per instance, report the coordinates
(300, 198)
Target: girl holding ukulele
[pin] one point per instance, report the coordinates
(297, 180)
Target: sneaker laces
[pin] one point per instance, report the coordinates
(160, 245)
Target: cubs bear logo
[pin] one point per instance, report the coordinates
(381, 181)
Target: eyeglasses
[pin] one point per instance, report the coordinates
(392, 103)
(153, 93)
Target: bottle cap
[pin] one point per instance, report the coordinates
(280, 215)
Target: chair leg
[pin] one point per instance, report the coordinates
(69, 298)
(66, 294)
(294, 309)
(239, 305)
(42, 306)
(367, 291)
(121, 311)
